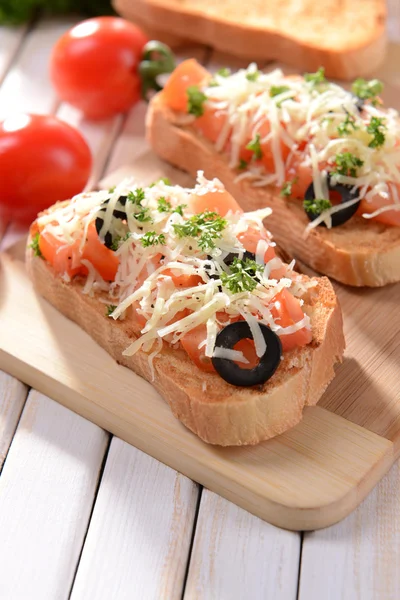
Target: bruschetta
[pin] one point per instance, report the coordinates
(184, 288)
(326, 160)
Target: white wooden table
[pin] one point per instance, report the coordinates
(86, 516)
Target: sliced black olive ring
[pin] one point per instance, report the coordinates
(347, 192)
(228, 337)
(118, 213)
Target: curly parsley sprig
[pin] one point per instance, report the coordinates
(367, 90)
(243, 277)
(166, 206)
(347, 126)
(255, 146)
(196, 99)
(206, 227)
(347, 164)
(376, 128)
(316, 206)
(35, 245)
(152, 239)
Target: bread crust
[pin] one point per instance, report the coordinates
(358, 253)
(214, 410)
(348, 42)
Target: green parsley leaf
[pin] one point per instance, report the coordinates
(375, 127)
(137, 196)
(165, 180)
(152, 239)
(347, 164)
(367, 90)
(253, 76)
(317, 206)
(196, 100)
(243, 276)
(316, 78)
(118, 240)
(143, 216)
(35, 245)
(164, 205)
(110, 309)
(224, 72)
(255, 146)
(112, 189)
(206, 226)
(286, 190)
(179, 209)
(242, 164)
(276, 90)
(347, 125)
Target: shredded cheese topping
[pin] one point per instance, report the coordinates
(153, 255)
(303, 124)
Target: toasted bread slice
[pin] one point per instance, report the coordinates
(347, 38)
(216, 411)
(357, 253)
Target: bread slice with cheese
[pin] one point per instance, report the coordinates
(360, 252)
(219, 413)
(347, 38)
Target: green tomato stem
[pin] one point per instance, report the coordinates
(157, 59)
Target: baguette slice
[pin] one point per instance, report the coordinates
(347, 37)
(217, 412)
(358, 253)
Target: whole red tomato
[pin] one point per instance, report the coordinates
(42, 160)
(94, 66)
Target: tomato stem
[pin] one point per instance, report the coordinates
(157, 59)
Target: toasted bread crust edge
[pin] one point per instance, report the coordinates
(258, 43)
(219, 414)
(358, 253)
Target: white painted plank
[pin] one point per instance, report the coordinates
(236, 555)
(47, 489)
(27, 85)
(11, 39)
(139, 535)
(12, 398)
(358, 558)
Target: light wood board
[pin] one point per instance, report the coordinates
(308, 478)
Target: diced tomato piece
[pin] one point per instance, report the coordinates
(190, 342)
(266, 148)
(220, 201)
(186, 74)
(247, 347)
(223, 318)
(286, 310)
(300, 175)
(211, 123)
(102, 258)
(64, 258)
(250, 239)
(390, 217)
(183, 280)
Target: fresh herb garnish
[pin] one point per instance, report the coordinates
(253, 76)
(179, 209)
(111, 190)
(152, 239)
(110, 309)
(137, 196)
(118, 240)
(286, 190)
(243, 276)
(375, 128)
(316, 78)
(165, 180)
(347, 164)
(367, 90)
(317, 206)
(242, 164)
(196, 100)
(206, 226)
(143, 215)
(255, 146)
(348, 125)
(276, 90)
(224, 72)
(164, 205)
(35, 245)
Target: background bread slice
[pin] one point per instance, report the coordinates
(346, 37)
(358, 253)
(216, 411)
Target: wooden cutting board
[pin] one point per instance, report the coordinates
(308, 478)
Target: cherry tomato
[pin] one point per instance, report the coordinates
(42, 160)
(94, 65)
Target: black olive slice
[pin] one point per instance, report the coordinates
(347, 192)
(118, 213)
(228, 337)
